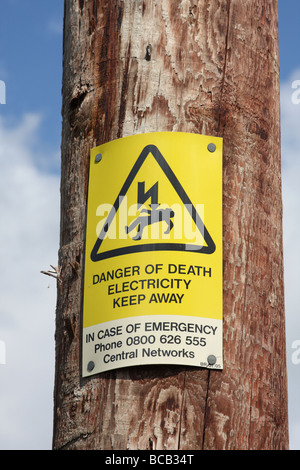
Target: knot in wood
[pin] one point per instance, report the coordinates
(148, 52)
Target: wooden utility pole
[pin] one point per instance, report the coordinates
(206, 67)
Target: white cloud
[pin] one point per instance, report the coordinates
(290, 120)
(29, 227)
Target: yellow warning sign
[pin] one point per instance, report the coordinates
(153, 258)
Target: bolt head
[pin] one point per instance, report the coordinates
(90, 366)
(211, 148)
(98, 158)
(211, 360)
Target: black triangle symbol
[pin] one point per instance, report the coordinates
(209, 249)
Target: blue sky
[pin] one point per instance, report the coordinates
(31, 63)
(30, 129)
(289, 34)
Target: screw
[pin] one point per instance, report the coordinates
(211, 148)
(90, 366)
(98, 158)
(211, 360)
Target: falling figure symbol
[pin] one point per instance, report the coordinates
(154, 215)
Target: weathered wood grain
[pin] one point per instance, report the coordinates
(196, 66)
